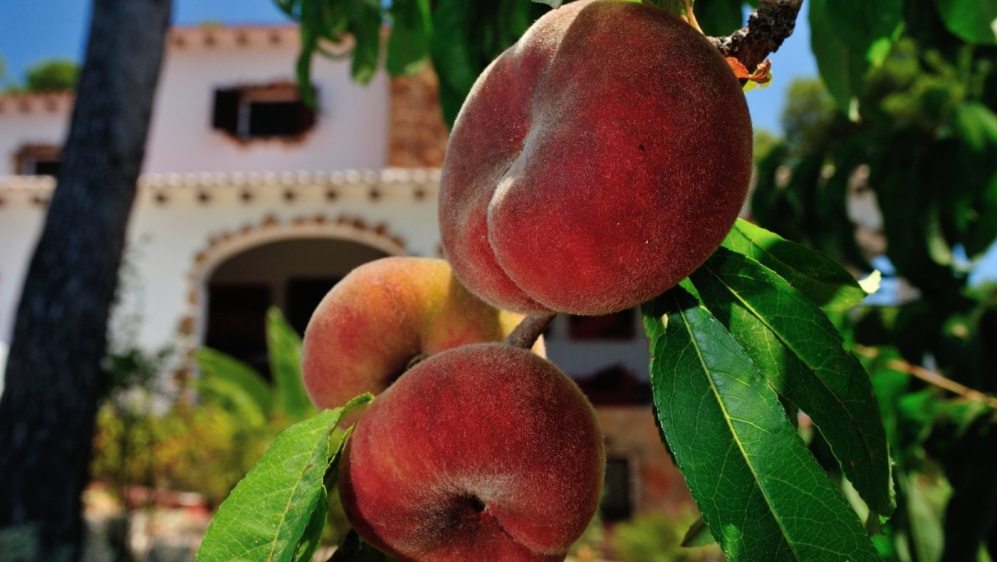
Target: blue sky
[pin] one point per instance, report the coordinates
(33, 31)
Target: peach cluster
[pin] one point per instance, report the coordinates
(472, 450)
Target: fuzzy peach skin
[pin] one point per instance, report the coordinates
(368, 328)
(483, 452)
(596, 163)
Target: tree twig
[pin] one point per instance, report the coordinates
(932, 378)
(527, 332)
(767, 28)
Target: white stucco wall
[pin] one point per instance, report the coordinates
(20, 224)
(40, 121)
(351, 131)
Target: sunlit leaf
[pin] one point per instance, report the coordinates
(800, 353)
(760, 491)
(267, 515)
(814, 274)
(871, 283)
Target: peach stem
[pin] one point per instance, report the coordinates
(527, 332)
(691, 16)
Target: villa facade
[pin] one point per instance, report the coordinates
(250, 198)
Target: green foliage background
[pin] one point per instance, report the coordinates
(56, 75)
(164, 438)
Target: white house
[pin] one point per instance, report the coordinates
(249, 198)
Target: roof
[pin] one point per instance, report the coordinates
(25, 102)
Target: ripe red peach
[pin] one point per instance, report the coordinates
(384, 314)
(596, 163)
(483, 452)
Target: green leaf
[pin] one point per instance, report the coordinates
(236, 385)
(467, 36)
(867, 27)
(366, 29)
(927, 494)
(266, 516)
(975, 21)
(760, 491)
(551, 3)
(674, 7)
(813, 273)
(971, 200)
(284, 347)
(976, 125)
(842, 67)
(452, 57)
(800, 353)
(411, 28)
(311, 538)
(719, 17)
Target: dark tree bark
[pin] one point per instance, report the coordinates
(54, 378)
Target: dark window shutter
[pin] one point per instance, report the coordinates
(226, 111)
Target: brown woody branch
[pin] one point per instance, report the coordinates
(931, 378)
(767, 28)
(527, 332)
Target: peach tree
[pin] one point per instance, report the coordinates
(597, 164)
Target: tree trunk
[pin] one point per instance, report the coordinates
(54, 379)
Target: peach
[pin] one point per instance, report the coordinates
(596, 163)
(384, 314)
(483, 452)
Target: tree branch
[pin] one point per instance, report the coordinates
(767, 28)
(931, 378)
(527, 332)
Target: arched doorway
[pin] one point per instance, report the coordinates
(291, 274)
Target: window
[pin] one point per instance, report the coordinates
(237, 322)
(303, 296)
(619, 326)
(38, 160)
(258, 112)
(617, 501)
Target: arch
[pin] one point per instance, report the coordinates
(226, 245)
